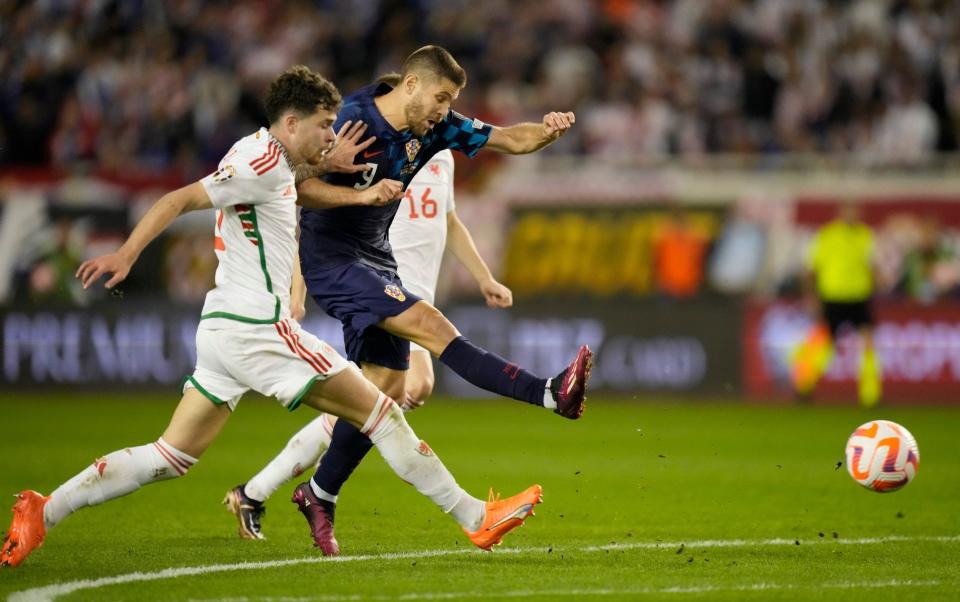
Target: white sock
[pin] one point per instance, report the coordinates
(415, 463)
(469, 512)
(114, 475)
(548, 401)
(301, 452)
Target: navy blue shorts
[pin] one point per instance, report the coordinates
(361, 297)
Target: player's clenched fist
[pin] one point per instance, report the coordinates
(556, 124)
(383, 192)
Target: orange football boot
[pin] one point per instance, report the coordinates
(504, 515)
(27, 529)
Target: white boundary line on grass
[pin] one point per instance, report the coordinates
(48, 593)
(604, 591)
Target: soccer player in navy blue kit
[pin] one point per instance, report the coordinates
(350, 271)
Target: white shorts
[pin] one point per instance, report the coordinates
(278, 360)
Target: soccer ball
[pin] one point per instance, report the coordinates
(882, 456)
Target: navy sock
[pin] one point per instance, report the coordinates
(491, 372)
(347, 448)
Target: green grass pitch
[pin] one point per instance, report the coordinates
(675, 501)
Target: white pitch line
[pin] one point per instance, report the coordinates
(556, 593)
(48, 593)
(735, 543)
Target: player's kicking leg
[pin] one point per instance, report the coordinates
(565, 393)
(383, 358)
(195, 424)
(357, 401)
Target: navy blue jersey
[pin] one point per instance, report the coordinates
(333, 237)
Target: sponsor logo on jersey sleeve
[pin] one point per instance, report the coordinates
(478, 125)
(396, 292)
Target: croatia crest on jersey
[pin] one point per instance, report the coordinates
(412, 147)
(395, 291)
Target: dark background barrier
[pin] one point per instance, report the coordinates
(918, 348)
(641, 346)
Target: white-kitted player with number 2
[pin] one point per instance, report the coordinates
(247, 339)
(425, 224)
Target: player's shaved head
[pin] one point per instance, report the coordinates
(435, 62)
(302, 90)
(391, 79)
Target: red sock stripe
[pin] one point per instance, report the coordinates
(296, 340)
(286, 339)
(170, 460)
(384, 409)
(185, 464)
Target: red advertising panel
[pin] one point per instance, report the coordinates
(918, 347)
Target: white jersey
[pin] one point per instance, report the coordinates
(255, 195)
(418, 234)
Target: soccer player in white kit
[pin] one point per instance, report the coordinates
(424, 226)
(246, 339)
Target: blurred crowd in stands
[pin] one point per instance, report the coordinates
(169, 84)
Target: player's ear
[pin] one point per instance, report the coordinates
(290, 122)
(410, 82)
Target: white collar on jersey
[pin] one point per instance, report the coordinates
(283, 149)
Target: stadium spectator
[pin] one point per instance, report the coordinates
(931, 270)
(160, 85)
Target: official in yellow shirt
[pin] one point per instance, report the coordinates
(841, 275)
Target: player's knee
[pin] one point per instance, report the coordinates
(420, 389)
(394, 389)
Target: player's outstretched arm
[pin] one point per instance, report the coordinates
(156, 220)
(461, 244)
(317, 194)
(526, 138)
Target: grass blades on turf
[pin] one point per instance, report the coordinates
(659, 501)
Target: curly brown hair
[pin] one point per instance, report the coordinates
(301, 90)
